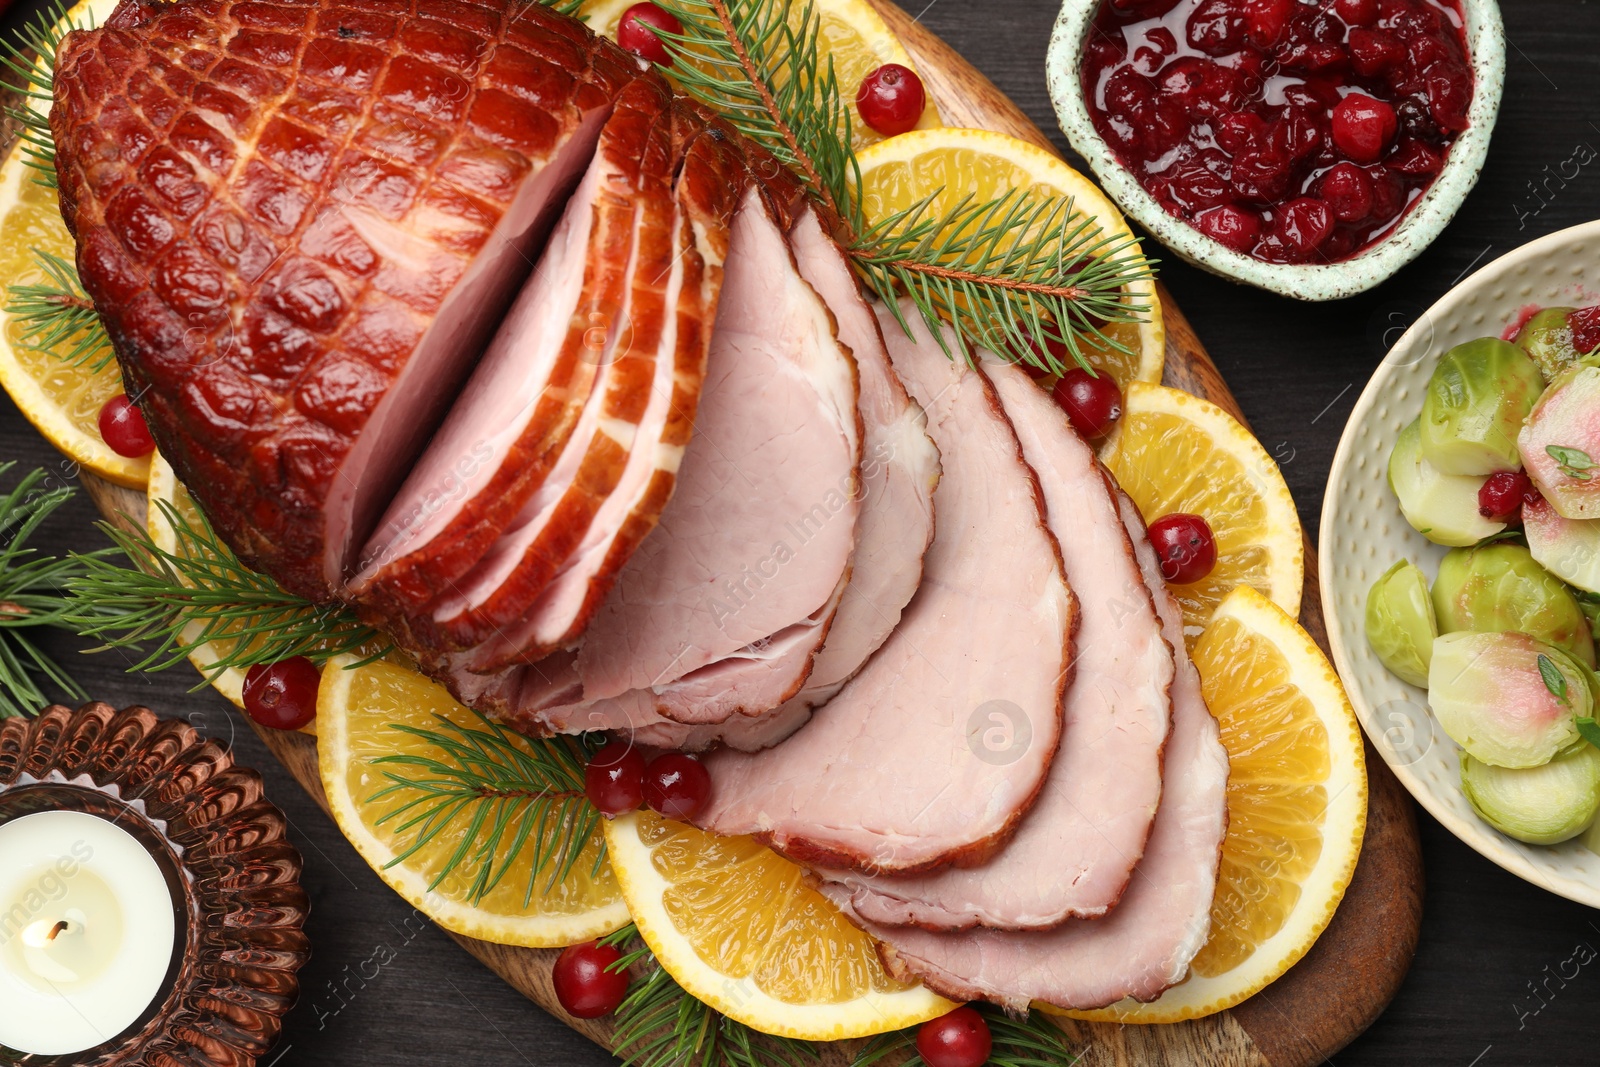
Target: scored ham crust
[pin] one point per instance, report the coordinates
(1076, 851)
(893, 774)
(299, 225)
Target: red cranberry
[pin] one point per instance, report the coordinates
(1148, 9)
(1500, 496)
(1449, 94)
(959, 1038)
(1300, 227)
(1373, 51)
(1093, 404)
(1357, 12)
(123, 428)
(282, 695)
(1297, 133)
(1187, 548)
(1217, 28)
(1261, 175)
(1585, 326)
(1388, 192)
(636, 32)
(585, 986)
(1362, 127)
(614, 779)
(1237, 131)
(1415, 158)
(677, 785)
(891, 99)
(1347, 191)
(1267, 20)
(1233, 227)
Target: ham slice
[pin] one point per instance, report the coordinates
(1146, 944)
(892, 774)
(1077, 848)
(301, 224)
(574, 350)
(752, 551)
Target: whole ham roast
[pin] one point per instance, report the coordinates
(453, 312)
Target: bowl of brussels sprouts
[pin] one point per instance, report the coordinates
(1460, 561)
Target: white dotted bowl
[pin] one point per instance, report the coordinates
(1363, 534)
(1486, 50)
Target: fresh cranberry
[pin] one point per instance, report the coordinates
(1449, 94)
(1266, 21)
(123, 428)
(636, 32)
(676, 785)
(1373, 51)
(1297, 133)
(1237, 131)
(1347, 191)
(585, 984)
(1093, 403)
(959, 1038)
(1415, 158)
(1585, 326)
(1262, 175)
(1416, 120)
(1500, 496)
(1231, 226)
(891, 99)
(1357, 12)
(614, 779)
(282, 695)
(1217, 27)
(1198, 182)
(1186, 545)
(1362, 127)
(1300, 227)
(1388, 192)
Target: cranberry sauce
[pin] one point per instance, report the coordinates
(1296, 131)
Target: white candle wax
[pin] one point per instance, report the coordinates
(86, 931)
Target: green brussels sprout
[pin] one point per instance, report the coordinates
(1400, 624)
(1499, 588)
(1548, 341)
(1442, 507)
(1567, 548)
(1477, 399)
(1540, 805)
(1560, 445)
(1508, 699)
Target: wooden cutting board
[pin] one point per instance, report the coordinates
(1354, 970)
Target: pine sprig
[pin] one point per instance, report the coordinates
(31, 595)
(30, 59)
(1033, 1041)
(499, 794)
(1011, 274)
(57, 316)
(199, 594)
(660, 1024)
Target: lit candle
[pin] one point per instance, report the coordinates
(86, 931)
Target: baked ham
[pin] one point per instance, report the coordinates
(1145, 944)
(893, 774)
(1077, 848)
(566, 374)
(300, 225)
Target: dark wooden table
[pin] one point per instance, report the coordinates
(1499, 978)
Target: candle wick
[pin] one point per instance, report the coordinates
(59, 928)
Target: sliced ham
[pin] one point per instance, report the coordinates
(1076, 850)
(759, 534)
(1146, 944)
(301, 225)
(892, 774)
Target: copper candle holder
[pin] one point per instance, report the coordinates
(233, 876)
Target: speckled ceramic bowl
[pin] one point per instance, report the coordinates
(1417, 229)
(1363, 534)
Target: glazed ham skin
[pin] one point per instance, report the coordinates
(299, 225)
(1076, 850)
(892, 775)
(1145, 944)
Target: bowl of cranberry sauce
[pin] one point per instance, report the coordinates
(1309, 147)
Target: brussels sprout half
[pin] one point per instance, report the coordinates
(1540, 805)
(1567, 548)
(1400, 622)
(1475, 405)
(1547, 339)
(1560, 445)
(1508, 699)
(1441, 507)
(1500, 588)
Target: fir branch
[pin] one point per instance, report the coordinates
(660, 1024)
(30, 58)
(498, 793)
(1033, 1041)
(58, 317)
(1015, 274)
(31, 596)
(199, 594)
